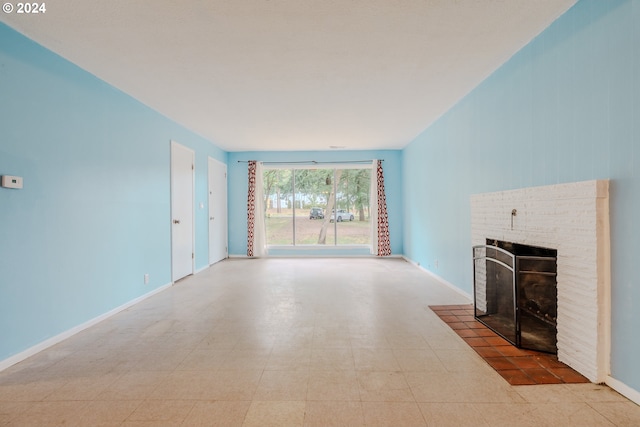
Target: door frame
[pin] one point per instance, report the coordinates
(173, 145)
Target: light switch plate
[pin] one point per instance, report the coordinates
(9, 181)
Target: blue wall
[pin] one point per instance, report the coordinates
(565, 108)
(94, 214)
(238, 184)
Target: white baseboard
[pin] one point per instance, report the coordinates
(236, 256)
(273, 256)
(440, 279)
(4, 364)
(623, 389)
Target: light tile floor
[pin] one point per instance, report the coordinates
(289, 342)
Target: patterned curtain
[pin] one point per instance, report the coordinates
(251, 207)
(383, 243)
(256, 238)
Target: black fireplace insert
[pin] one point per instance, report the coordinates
(515, 293)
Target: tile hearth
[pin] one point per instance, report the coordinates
(517, 366)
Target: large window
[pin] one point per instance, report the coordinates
(317, 206)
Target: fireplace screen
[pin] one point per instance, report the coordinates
(515, 293)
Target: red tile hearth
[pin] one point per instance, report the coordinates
(517, 366)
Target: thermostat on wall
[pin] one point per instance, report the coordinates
(9, 181)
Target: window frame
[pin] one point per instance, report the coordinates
(313, 166)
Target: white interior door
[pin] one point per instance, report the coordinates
(217, 211)
(182, 200)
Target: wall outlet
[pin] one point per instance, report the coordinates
(436, 263)
(146, 279)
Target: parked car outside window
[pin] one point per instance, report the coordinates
(342, 215)
(316, 213)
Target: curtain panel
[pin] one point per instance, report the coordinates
(256, 237)
(381, 245)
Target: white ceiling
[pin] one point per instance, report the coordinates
(293, 74)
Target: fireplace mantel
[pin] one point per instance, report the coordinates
(574, 219)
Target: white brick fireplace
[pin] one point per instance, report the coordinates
(574, 219)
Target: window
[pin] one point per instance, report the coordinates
(317, 205)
